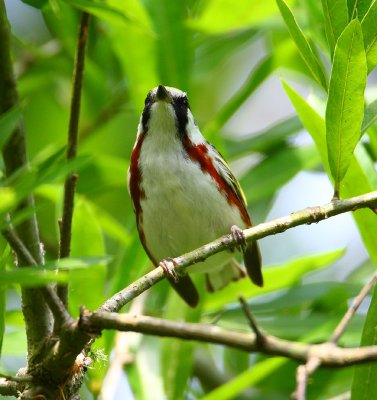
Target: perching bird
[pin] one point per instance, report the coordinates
(185, 195)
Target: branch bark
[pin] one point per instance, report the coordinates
(329, 354)
(304, 217)
(38, 319)
(71, 180)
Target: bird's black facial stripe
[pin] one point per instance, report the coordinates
(181, 106)
(146, 112)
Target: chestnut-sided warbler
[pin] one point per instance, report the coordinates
(185, 195)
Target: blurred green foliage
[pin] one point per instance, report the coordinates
(195, 45)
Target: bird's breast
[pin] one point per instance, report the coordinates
(182, 208)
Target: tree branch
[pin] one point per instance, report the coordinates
(70, 182)
(76, 336)
(38, 319)
(306, 216)
(328, 354)
(304, 371)
(8, 388)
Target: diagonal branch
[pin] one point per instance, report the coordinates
(71, 180)
(306, 216)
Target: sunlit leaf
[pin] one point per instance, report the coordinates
(174, 53)
(370, 116)
(98, 8)
(139, 62)
(306, 52)
(87, 240)
(234, 387)
(361, 176)
(369, 27)
(336, 17)
(222, 16)
(345, 105)
(358, 8)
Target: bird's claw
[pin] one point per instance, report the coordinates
(168, 265)
(238, 236)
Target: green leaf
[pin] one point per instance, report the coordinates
(77, 263)
(271, 139)
(222, 15)
(369, 27)
(256, 77)
(173, 50)
(139, 63)
(30, 277)
(309, 57)
(8, 121)
(345, 105)
(336, 18)
(249, 378)
(370, 116)
(177, 355)
(275, 277)
(268, 176)
(364, 386)
(87, 240)
(358, 8)
(36, 3)
(99, 9)
(361, 177)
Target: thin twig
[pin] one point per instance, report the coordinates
(339, 330)
(18, 379)
(304, 371)
(302, 376)
(305, 216)
(70, 182)
(252, 321)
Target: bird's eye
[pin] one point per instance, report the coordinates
(182, 101)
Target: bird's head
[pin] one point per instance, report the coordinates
(166, 111)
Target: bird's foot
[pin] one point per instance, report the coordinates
(238, 237)
(168, 265)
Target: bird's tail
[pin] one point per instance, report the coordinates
(253, 263)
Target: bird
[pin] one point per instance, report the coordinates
(184, 195)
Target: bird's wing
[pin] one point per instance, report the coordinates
(225, 172)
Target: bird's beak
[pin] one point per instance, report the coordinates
(162, 94)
